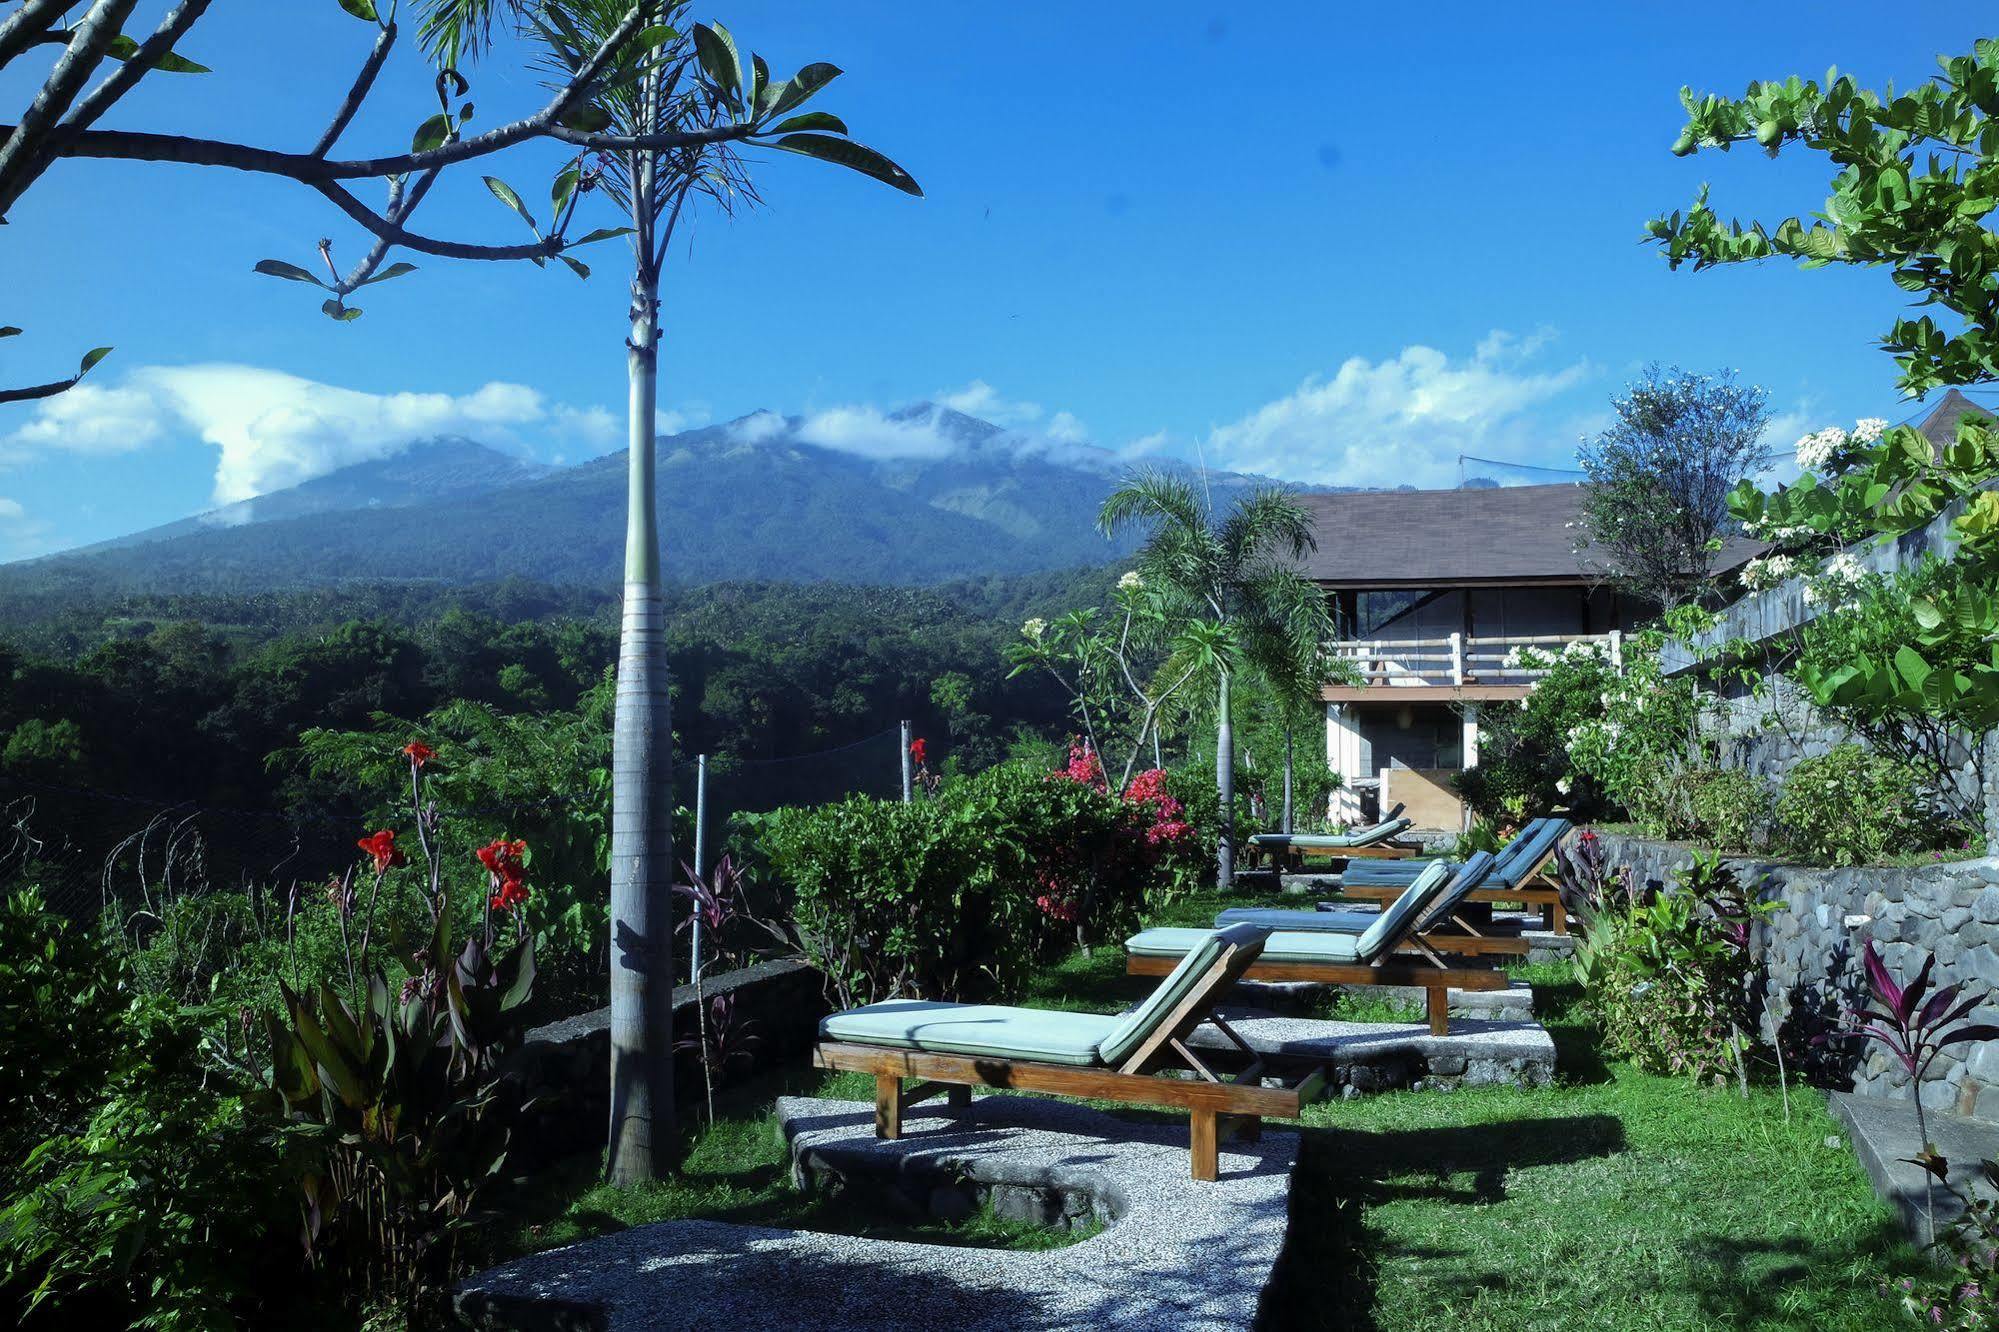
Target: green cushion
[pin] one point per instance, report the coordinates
(1136, 1025)
(1280, 946)
(1278, 918)
(1043, 1036)
(1399, 917)
(1332, 841)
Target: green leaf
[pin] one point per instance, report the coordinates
(561, 188)
(812, 120)
(576, 266)
(361, 9)
(431, 134)
(717, 53)
(586, 119)
(90, 360)
(280, 269)
(800, 87)
(10, 331)
(392, 271)
(337, 310)
(600, 234)
(505, 194)
(124, 48)
(853, 156)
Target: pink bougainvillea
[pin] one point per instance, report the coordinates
(1148, 824)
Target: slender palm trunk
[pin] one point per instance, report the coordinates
(1225, 786)
(1287, 776)
(641, 1136)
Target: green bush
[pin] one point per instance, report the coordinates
(1732, 809)
(133, 1190)
(962, 894)
(1849, 806)
(1666, 976)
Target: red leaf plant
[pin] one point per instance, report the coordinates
(1915, 1033)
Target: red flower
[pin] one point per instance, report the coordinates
(919, 752)
(382, 846)
(503, 862)
(419, 752)
(1085, 768)
(503, 857)
(512, 893)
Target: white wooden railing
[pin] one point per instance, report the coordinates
(1458, 660)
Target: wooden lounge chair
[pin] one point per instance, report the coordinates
(1525, 873)
(1359, 844)
(1389, 952)
(952, 1048)
(1447, 926)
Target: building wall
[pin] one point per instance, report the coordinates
(1500, 612)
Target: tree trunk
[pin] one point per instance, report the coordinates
(1287, 777)
(1225, 787)
(641, 1136)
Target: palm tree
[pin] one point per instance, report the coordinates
(1239, 585)
(661, 74)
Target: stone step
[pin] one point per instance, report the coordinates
(1387, 1056)
(1514, 1003)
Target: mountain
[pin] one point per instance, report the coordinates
(429, 471)
(922, 496)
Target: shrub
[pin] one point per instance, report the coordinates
(1666, 976)
(1732, 809)
(1849, 806)
(133, 1191)
(961, 894)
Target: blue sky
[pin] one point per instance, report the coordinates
(1326, 242)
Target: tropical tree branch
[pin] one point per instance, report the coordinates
(392, 233)
(86, 49)
(364, 83)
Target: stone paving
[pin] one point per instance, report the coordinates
(1174, 1254)
(1384, 1056)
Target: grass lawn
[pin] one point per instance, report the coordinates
(1612, 1200)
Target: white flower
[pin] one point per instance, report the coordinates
(1562, 787)
(1034, 628)
(1768, 571)
(1868, 429)
(1816, 452)
(1131, 582)
(1845, 567)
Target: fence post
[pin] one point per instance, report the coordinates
(1616, 637)
(908, 775)
(700, 850)
(1457, 659)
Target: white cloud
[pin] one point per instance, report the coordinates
(757, 427)
(91, 419)
(272, 430)
(667, 421)
(982, 400)
(1403, 420)
(11, 510)
(1064, 428)
(866, 431)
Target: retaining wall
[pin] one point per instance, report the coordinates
(784, 1001)
(1808, 957)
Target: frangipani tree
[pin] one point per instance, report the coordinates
(687, 85)
(1239, 580)
(95, 63)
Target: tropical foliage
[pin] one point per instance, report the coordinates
(1659, 479)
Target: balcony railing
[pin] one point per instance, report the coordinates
(1457, 660)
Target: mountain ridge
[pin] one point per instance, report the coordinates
(923, 495)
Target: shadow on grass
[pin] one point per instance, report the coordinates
(1326, 1278)
(1758, 1283)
